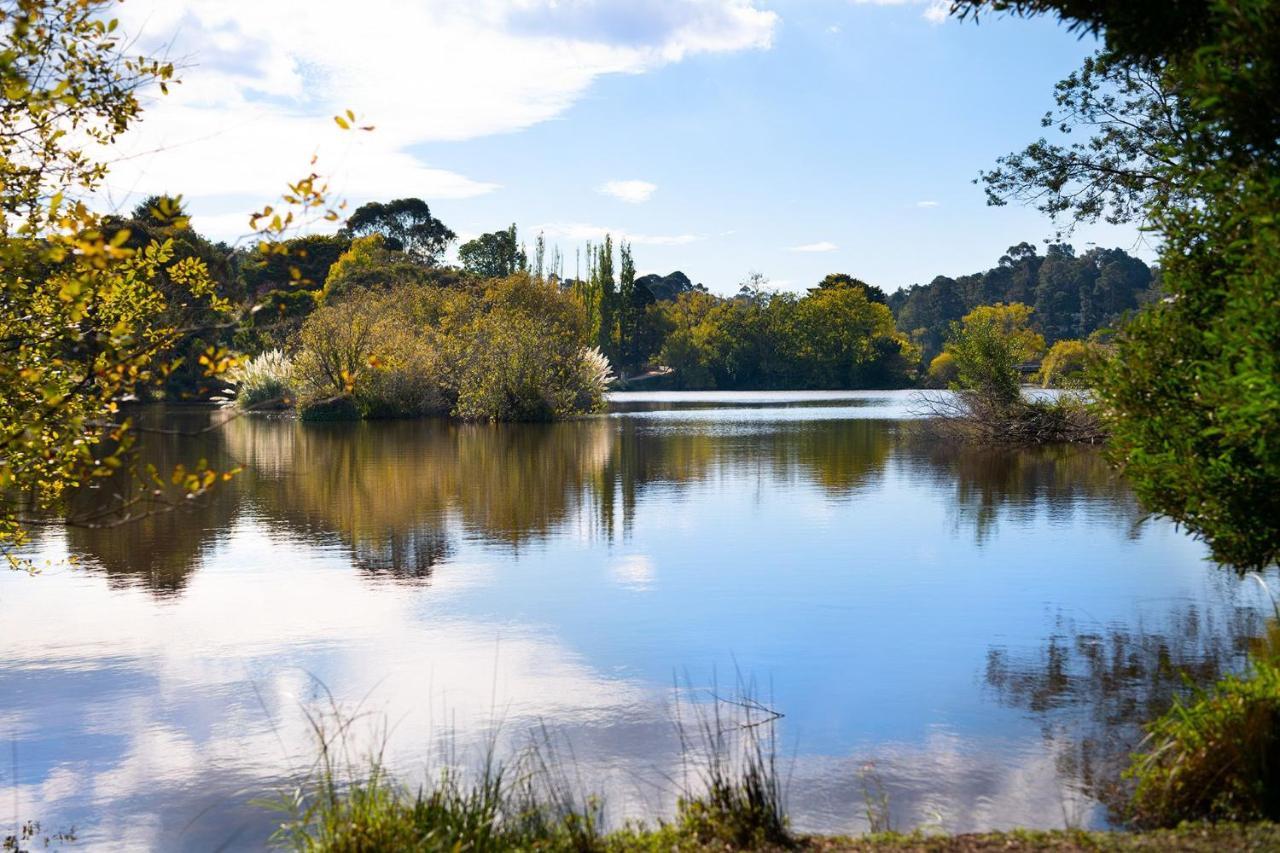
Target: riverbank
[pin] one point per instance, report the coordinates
(1191, 838)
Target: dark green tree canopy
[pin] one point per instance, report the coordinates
(161, 210)
(407, 225)
(494, 255)
(840, 279)
(1073, 295)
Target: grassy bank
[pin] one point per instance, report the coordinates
(733, 799)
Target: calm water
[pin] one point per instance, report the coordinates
(976, 631)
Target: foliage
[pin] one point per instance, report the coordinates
(367, 351)
(302, 266)
(522, 357)
(1065, 364)
(406, 224)
(1191, 396)
(1216, 758)
(370, 263)
(80, 309)
(942, 370)
(264, 381)
(1073, 295)
(989, 346)
(839, 279)
(494, 255)
(512, 351)
(1138, 122)
(835, 337)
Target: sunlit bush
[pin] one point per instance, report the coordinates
(265, 381)
(1065, 364)
(521, 357)
(512, 352)
(942, 370)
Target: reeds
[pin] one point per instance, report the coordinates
(731, 798)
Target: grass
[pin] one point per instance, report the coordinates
(1216, 758)
(733, 797)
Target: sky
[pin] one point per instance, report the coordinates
(720, 137)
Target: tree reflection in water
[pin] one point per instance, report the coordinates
(1092, 688)
(401, 496)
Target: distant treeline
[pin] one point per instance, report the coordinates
(1073, 295)
(843, 332)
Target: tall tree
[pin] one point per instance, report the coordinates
(407, 226)
(629, 309)
(497, 254)
(608, 291)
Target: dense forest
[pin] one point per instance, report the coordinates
(1073, 295)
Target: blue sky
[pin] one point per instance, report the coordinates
(722, 136)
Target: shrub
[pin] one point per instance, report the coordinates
(988, 346)
(1065, 364)
(264, 382)
(942, 370)
(513, 352)
(368, 350)
(520, 357)
(1217, 758)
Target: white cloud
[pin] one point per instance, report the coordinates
(928, 204)
(936, 11)
(633, 192)
(579, 231)
(262, 81)
(821, 246)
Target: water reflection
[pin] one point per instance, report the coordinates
(894, 594)
(400, 495)
(1091, 688)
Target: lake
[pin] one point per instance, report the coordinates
(976, 632)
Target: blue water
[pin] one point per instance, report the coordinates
(894, 596)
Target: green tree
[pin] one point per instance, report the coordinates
(839, 279)
(407, 226)
(369, 264)
(607, 289)
(494, 255)
(989, 346)
(630, 309)
(1192, 397)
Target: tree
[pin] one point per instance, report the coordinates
(78, 310)
(1138, 123)
(303, 264)
(497, 254)
(1065, 363)
(989, 346)
(369, 264)
(407, 226)
(87, 320)
(1192, 396)
(839, 279)
(608, 290)
(630, 309)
